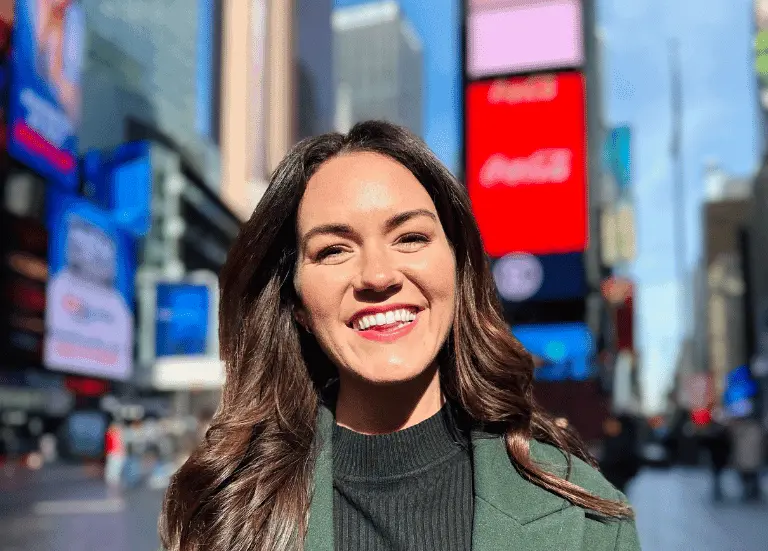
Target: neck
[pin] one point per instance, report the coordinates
(369, 408)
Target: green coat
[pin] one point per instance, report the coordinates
(510, 512)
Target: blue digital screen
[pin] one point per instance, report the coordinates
(567, 349)
(182, 325)
(121, 182)
(617, 155)
(739, 385)
(44, 103)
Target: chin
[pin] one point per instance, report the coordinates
(393, 375)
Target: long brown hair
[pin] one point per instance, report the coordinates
(247, 485)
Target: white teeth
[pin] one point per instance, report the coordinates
(385, 318)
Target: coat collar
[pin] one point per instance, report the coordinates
(509, 511)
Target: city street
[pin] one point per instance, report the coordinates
(69, 510)
(675, 512)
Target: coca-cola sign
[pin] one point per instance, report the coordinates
(526, 163)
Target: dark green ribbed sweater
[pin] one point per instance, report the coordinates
(406, 491)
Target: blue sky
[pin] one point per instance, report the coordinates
(719, 123)
(719, 117)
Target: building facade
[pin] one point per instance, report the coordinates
(379, 66)
(724, 223)
(156, 63)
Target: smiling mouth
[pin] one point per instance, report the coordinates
(385, 321)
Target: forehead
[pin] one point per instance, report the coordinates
(360, 186)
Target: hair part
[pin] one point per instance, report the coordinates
(247, 485)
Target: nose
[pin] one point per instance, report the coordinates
(377, 272)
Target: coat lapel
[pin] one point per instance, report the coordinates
(320, 530)
(511, 513)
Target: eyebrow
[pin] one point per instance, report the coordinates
(392, 223)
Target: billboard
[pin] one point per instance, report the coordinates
(740, 391)
(616, 155)
(526, 163)
(44, 104)
(89, 319)
(761, 48)
(120, 181)
(516, 36)
(6, 30)
(566, 350)
(521, 277)
(183, 319)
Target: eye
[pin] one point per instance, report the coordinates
(413, 240)
(329, 253)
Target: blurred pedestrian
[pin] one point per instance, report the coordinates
(114, 449)
(620, 461)
(136, 446)
(748, 455)
(717, 441)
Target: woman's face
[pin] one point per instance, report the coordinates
(375, 274)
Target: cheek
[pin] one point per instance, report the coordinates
(437, 277)
(319, 294)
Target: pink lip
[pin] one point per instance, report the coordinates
(389, 333)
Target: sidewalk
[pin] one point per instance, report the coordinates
(675, 512)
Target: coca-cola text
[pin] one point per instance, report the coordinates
(532, 89)
(545, 166)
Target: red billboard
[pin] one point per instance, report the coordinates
(526, 156)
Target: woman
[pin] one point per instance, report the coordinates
(59, 29)
(374, 396)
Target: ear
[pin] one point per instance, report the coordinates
(301, 318)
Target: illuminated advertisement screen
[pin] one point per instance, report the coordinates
(526, 163)
(566, 349)
(617, 155)
(515, 36)
(6, 30)
(89, 317)
(45, 89)
(183, 313)
(120, 181)
(523, 277)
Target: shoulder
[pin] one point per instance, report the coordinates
(598, 532)
(581, 473)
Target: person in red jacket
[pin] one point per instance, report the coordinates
(114, 450)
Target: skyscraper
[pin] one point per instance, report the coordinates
(379, 66)
(143, 64)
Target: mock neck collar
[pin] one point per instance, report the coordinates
(507, 505)
(397, 454)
